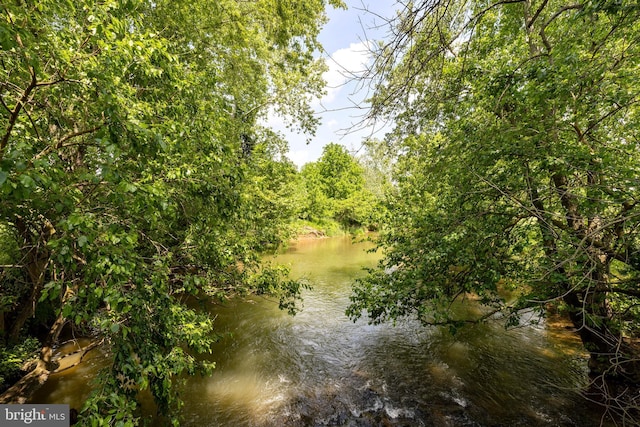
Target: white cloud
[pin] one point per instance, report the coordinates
(334, 109)
(345, 64)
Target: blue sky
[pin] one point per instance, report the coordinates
(345, 39)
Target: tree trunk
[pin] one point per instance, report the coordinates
(589, 308)
(36, 258)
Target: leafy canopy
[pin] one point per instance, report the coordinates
(517, 166)
(135, 175)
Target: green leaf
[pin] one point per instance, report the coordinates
(67, 309)
(26, 181)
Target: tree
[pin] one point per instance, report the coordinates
(335, 188)
(516, 136)
(377, 162)
(340, 174)
(315, 205)
(129, 139)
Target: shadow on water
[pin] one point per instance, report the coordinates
(321, 369)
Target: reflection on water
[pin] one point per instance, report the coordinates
(320, 369)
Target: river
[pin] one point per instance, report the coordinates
(321, 369)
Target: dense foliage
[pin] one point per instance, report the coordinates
(135, 176)
(516, 136)
(334, 188)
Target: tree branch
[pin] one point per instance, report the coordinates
(535, 15)
(613, 111)
(68, 136)
(15, 113)
(545, 41)
(560, 12)
(65, 138)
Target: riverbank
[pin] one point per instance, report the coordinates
(308, 232)
(321, 230)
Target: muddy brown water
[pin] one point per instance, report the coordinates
(321, 369)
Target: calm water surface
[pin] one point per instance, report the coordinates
(320, 369)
